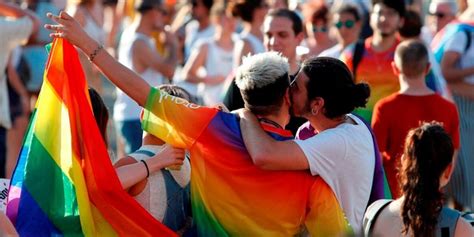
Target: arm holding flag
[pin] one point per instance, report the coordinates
(172, 119)
(128, 81)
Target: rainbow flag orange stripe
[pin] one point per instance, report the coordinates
(64, 183)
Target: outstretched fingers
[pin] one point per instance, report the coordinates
(64, 21)
(60, 19)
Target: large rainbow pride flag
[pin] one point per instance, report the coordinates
(64, 183)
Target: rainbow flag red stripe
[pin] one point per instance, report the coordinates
(64, 183)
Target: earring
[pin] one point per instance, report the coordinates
(314, 112)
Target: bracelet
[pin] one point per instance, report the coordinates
(147, 170)
(96, 51)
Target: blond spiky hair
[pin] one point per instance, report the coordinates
(260, 70)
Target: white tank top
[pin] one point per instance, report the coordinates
(125, 108)
(218, 62)
(255, 42)
(153, 197)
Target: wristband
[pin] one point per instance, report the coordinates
(147, 170)
(96, 51)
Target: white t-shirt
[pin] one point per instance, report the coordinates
(335, 51)
(344, 157)
(457, 43)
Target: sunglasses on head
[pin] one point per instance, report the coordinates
(320, 29)
(348, 24)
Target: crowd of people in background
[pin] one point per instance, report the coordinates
(352, 80)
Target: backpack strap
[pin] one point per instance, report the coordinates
(372, 213)
(469, 39)
(377, 191)
(357, 56)
(469, 217)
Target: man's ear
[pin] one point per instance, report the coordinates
(446, 175)
(401, 23)
(300, 37)
(395, 69)
(317, 103)
(286, 97)
(428, 68)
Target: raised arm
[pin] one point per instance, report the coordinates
(127, 80)
(196, 61)
(12, 10)
(18, 86)
(151, 58)
(266, 152)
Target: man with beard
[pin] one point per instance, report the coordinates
(371, 61)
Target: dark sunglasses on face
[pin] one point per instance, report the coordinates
(264, 5)
(348, 24)
(322, 29)
(438, 14)
(162, 10)
(293, 78)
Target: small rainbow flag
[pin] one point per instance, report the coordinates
(64, 183)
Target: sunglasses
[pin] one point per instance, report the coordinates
(293, 78)
(322, 29)
(438, 14)
(264, 5)
(162, 10)
(348, 24)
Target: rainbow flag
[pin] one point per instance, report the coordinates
(64, 182)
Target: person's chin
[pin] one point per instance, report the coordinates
(280, 50)
(387, 33)
(294, 113)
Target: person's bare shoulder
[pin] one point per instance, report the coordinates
(463, 228)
